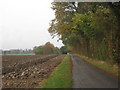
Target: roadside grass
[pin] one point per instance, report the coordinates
(112, 69)
(61, 77)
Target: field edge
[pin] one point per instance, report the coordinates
(61, 77)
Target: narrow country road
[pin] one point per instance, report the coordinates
(87, 76)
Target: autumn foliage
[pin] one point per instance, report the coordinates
(89, 29)
(48, 48)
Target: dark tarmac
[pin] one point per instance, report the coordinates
(87, 76)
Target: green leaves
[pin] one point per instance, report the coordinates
(82, 22)
(84, 26)
(48, 48)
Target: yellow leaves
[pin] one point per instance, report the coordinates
(103, 11)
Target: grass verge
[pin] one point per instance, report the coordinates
(111, 69)
(61, 77)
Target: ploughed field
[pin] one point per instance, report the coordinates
(27, 71)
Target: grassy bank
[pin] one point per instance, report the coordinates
(112, 69)
(61, 77)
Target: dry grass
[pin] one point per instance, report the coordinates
(105, 66)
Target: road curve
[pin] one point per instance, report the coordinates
(87, 76)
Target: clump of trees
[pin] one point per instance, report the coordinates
(64, 50)
(48, 48)
(89, 29)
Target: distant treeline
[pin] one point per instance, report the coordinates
(17, 51)
(49, 48)
(89, 29)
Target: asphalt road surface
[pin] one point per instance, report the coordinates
(88, 76)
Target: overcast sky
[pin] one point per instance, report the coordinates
(24, 23)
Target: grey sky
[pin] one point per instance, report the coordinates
(24, 23)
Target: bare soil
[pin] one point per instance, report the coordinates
(27, 71)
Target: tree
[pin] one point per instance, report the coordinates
(64, 50)
(48, 48)
(38, 50)
(90, 29)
